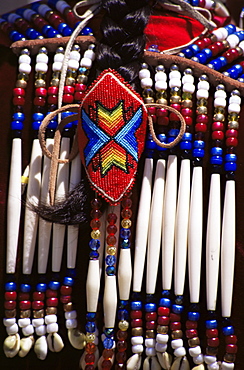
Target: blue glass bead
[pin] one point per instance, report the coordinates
(177, 308)
(64, 29)
(235, 71)
(36, 125)
(110, 270)
(208, 53)
(32, 34)
(193, 316)
(216, 151)
(17, 125)
(170, 139)
(228, 330)
(195, 2)
(231, 28)
(90, 327)
(216, 159)
(123, 315)
(94, 244)
(199, 144)
(149, 153)
(185, 145)
(41, 287)
(211, 324)
(163, 139)
(123, 303)
(25, 288)
(110, 260)
(108, 343)
(68, 281)
(91, 316)
(150, 144)
(165, 302)
(195, 48)
(201, 57)
(188, 53)
(230, 166)
(16, 36)
(153, 48)
(125, 233)
(86, 31)
(53, 124)
(173, 132)
(38, 116)
(223, 61)
(187, 136)
(136, 305)
(240, 34)
(125, 243)
(71, 273)
(82, 70)
(109, 332)
(18, 116)
(216, 63)
(150, 307)
(11, 286)
(54, 285)
(94, 255)
(230, 157)
(165, 293)
(46, 28)
(35, 6)
(198, 153)
(52, 33)
(52, 3)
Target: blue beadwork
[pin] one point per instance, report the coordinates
(86, 31)
(91, 316)
(64, 29)
(150, 307)
(173, 132)
(177, 308)
(193, 316)
(235, 71)
(54, 285)
(230, 166)
(16, 36)
(33, 34)
(108, 343)
(94, 244)
(211, 324)
(216, 159)
(110, 270)
(17, 125)
(136, 305)
(230, 157)
(199, 144)
(125, 233)
(123, 314)
(216, 150)
(68, 281)
(198, 153)
(25, 288)
(185, 145)
(41, 287)
(94, 255)
(10, 286)
(165, 302)
(228, 330)
(90, 327)
(125, 244)
(110, 260)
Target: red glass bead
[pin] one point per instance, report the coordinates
(111, 240)
(163, 311)
(80, 87)
(191, 324)
(217, 126)
(151, 316)
(52, 90)
(161, 112)
(9, 305)
(122, 335)
(78, 95)
(163, 320)
(96, 203)
(37, 305)
(213, 342)
(212, 333)
(10, 296)
(231, 339)
(136, 323)
(126, 213)
(175, 325)
(55, 21)
(39, 100)
(215, 49)
(173, 117)
(18, 100)
(51, 293)
(71, 18)
(41, 91)
(174, 317)
(38, 296)
(176, 106)
(69, 89)
(68, 98)
(25, 305)
(111, 218)
(163, 121)
(95, 223)
(201, 127)
(186, 112)
(90, 358)
(191, 333)
(231, 348)
(52, 99)
(39, 22)
(154, 118)
(217, 135)
(112, 229)
(203, 118)
(107, 354)
(106, 364)
(90, 347)
(66, 290)
(231, 55)
(52, 302)
(231, 141)
(24, 296)
(22, 25)
(136, 314)
(121, 346)
(121, 357)
(200, 44)
(231, 133)
(18, 91)
(65, 299)
(151, 325)
(188, 120)
(126, 203)
(152, 110)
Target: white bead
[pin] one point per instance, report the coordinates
(59, 57)
(235, 99)
(137, 348)
(9, 322)
(42, 58)
(241, 45)
(180, 352)
(174, 74)
(203, 85)
(24, 322)
(42, 9)
(195, 351)
(209, 359)
(57, 66)
(150, 352)
(12, 329)
(74, 64)
(160, 76)
(208, 4)
(86, 62)
(61, 6)
(150, 342)
(202, 94)
(70, 315)
(176, 343)
(28, 330)
(146, 82)
(71, 323)
(37, 322)
(41, 67)
(52, 328)
(220, 102)
(233, 40)
(227, 365)
(174, 82)
(144, 73)
(220, 94)
(188, 87)
(160, 347)
(235, 108)
(162, 338)
(41, 330)
(75, 55)
(136, 340)
(160, 85)
(89, 54)
(219, 34)
(198, 359)
(188, 79)
(24, 68)
(49, 319)
(24, 58)
(213, 366)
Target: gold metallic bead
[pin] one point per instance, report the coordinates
(233, 117)
(54, 82)
(9, 314)
(187, 103)
(211, 351)
(137, 332)
(95, 234)
(68, 307)
(90, 337)
(56, 74)
(23, 76)
(193, 342)
(202, 102)
(175, 99)
(148, 100)
(123, 325)
(69, 81)
(233, 125)
(111, 250)
(162, 101)
(150, 334)
(219, 110)
(219, 117)
(38, 314)
(202, 110)
(21, 83)
(40, 83)
(162, 329)
(82, 79)
(25, 314)
(126, 223)
(161, 94)
(176, 334)
(51, 310)
(225, 44)
(229, 357)
(240, 51)
(147, 93)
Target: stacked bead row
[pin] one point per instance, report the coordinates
(175, 102)
(38, 318)
(7, 28)
(162, 336)
(22, 26)
(151, 323)
(192, 335)
(230, 346)
(10, 308)
(136, 324)
(122, 334)
(66, 299)
(25, 310)
(175, 327)
(207, 4)
(212, 341)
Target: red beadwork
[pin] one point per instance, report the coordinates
(136, 323)
(71, 18)
(121, 357)
(163, 320)
(151, 316)
(175, 325)
(89, 367)
(65, 298)
(191, 333)
(186, 112)
(95, 223)
(121, 346)
(111, 240)
(55, 20)
(126, 213)
(136, 314)
(52, 90)
(163, 121)
(231, 339)
(9, 305)
(231, 133)
(188, 120)
(38, 296)
(191, 324)
(126, 203)
(152, 110)
(161, 112)
(10, 296)
(174, 317)
(23, 296)
(203, 118)
(217, 126)
(173, 117)
(231, 348)
(52, 99)
(106, 364)
(163, 311)
(231, 55)
(39, 22)
(25, 305)
(69, 89)
(108, 353)
(90, 358)
(231, 141)
(212, 333)
(52, 302)
(80, 87)
(66, 290)
(39, 100)
(151, 325)
(112, 229)
(37, 305)
(68, 98)
(18, 100)
(78, 95)
(90, 347)
(176, 106)
(213, 342)
(201, 127)
(41, 91)
(112, 218)
(18, 91)
(122, 335)
(217, 135)
(22, 25)
(51, 293)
